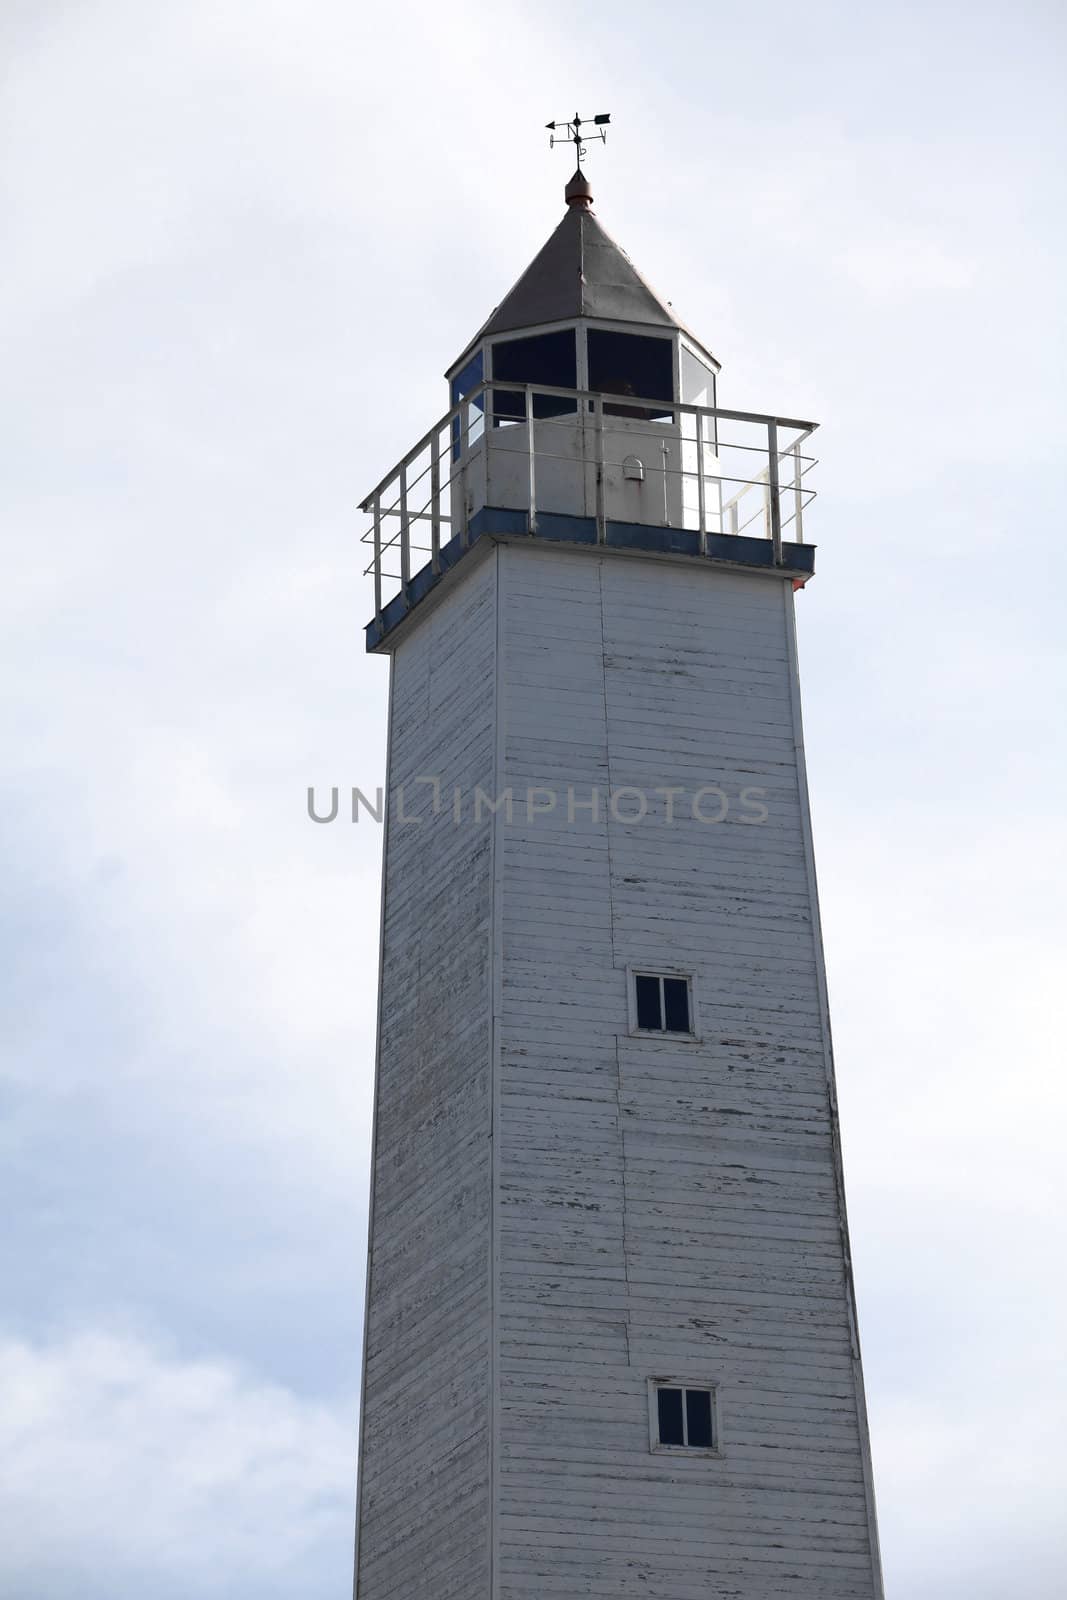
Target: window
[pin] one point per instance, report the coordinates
(631, 363)
(546, 358)
(683, 1416)
(698, 380)
(662, 1004)
(468, 378)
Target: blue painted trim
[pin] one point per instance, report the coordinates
(550, 525)
(665, 541)
(569, 530)
(491, 520)
(736, 548)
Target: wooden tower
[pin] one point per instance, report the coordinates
(611, 1341)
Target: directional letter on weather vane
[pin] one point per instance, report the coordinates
(571, 132)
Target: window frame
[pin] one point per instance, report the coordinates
(691, 348)
(608, 398)
(478, 353)
(652, 970)
(688, 346)
(714, 1451)
(511, 337)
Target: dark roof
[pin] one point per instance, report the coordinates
(580, 272)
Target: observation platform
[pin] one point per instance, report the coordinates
(584, 468)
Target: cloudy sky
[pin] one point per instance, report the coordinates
(241, 241)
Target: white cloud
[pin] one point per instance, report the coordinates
(126, 1470)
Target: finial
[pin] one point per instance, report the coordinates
(578, 193)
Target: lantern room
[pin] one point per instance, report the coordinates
(585, 411)
(585, 357)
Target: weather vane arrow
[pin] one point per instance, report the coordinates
(571, 132)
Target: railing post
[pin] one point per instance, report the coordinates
(450, 476)
(378, 557)
(772, 492)
(531, 510)
(405, 532)
(700, 485)
(465, 450)
(435, 498)
(598, 429)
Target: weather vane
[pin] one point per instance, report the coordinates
(571, 132)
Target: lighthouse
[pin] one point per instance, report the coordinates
(611, 1345)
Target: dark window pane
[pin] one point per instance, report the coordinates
(631, 363)
(676, 1004)
(468, 378)
(698, 1418)
(670, 1416)
(547, 358)
(648, 1013)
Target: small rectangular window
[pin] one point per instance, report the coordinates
(649, 1008)
(662, 1004)
(675, 1005)
(698, 1418)
(683, 1417)
(671, 1425)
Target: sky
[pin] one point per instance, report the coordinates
(241, 242)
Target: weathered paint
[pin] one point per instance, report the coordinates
(563, 1210)
(424, 1460)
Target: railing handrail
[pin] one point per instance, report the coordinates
(550, 391)
(791, 450)
(447, 455)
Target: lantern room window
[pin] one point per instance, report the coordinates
(549, 359)
(467, 379)
(632, 363)
(698, 380)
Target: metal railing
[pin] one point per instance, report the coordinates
(749, 483)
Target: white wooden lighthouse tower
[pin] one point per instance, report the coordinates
(611, 1342)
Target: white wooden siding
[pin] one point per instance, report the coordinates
(561, 1210)
(667, 1207)
(424, 1460)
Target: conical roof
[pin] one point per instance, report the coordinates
(580, 271)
